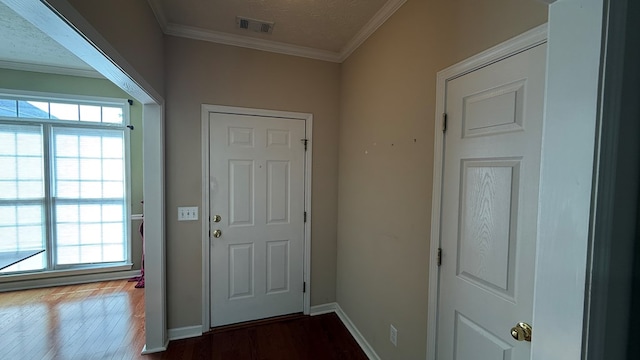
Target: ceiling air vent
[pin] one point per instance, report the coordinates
(259, 26)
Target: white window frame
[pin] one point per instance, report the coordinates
(80, 269)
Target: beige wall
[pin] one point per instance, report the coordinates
(386, 158)
(377, 109)
(131, 28)
(205, 73)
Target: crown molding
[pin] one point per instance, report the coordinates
(49, 69)
(251, 43)
(388, 9)
(158, 11)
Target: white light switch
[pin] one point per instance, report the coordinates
(187, 213)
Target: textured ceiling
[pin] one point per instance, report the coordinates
(325, 25)
(23, 43)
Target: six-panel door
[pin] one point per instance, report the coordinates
(490, 207)
(257, 188)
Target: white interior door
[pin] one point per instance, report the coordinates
(257, 189)
(489, 208)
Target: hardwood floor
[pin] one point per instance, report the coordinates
(90, 321)
(106, 321)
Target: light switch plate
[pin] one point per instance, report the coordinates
(187, 213)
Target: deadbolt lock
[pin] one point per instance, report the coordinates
(521, 332)
(217, 233)
(217, 218)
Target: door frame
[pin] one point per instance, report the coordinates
(520, 43)
(63, 23)
(206, 253)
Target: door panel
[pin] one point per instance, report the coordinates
(489, 208)
(278, 192)
(277, 266)
(241, 192)
(475, 342)
(257, 187)
(487, 238)
(241, 271)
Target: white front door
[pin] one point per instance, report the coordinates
(257, 190)
(490, 207)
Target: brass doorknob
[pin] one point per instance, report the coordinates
(217, 233)
(522, 332)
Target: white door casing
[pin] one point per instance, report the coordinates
(489, 207)
(258, 186)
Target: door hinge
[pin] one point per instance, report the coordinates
(305, 142)
(439, 256)
(304, 287)
(444, 122)
(305, 216)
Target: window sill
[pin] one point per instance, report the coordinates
(62, 277)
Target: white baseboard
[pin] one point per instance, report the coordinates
(67, 280)
(195, 331)
(146, 351)
(368, 350)
(185, 332)
(335, 307)
(323, 309)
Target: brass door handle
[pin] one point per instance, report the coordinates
(217, 233)
(522, 332)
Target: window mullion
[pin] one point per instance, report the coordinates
(47, 139)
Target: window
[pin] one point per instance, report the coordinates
(63, 181)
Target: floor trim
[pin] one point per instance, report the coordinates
(67, 280)
(146, 351)
(357, 335)
(323, 309)
(195, 331)
(185, 332)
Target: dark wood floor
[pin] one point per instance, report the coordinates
(106, 321)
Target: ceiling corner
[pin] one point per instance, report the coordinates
(250, 43)
(389, 8)
(158, 11)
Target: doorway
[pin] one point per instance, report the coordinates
(256, 196)
(485, 202)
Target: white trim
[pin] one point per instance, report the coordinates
(520, 43)
(64, 24)
(206, 258)
(250, 43)
(568, 205)
(69, 279)
(19, 94)
(205, 211)
(137, 217)
(61, 274)
(185, 332)
(323, 309)
(527, 40)
(385, 12)
(308, 177)
(158, 11)
(388, 9)
(155, 225)
(158, 349)
(50, 69)
(54, 17)
(364, 345)
(126, 121)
